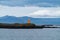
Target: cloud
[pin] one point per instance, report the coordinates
(30, 11)
(52, 12)
(39, 3)
(16, 11)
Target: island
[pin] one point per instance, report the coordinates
(27, 25)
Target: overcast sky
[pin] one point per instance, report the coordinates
(32, 8)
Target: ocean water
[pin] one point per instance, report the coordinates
(30, 34)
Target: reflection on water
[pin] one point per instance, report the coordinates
(30, 34)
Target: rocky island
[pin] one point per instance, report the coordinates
(27, 25)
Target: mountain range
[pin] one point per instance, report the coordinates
(13, 19)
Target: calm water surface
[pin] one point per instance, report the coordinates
(30, 34)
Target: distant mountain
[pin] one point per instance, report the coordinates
(13, 19)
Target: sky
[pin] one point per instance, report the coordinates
(31, 8)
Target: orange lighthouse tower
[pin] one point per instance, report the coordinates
(29, 21)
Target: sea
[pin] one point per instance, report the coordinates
(30, 34)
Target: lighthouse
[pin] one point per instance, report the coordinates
(29, 21)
